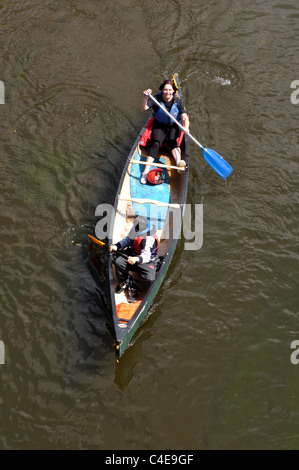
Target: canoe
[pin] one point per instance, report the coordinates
(163, 205)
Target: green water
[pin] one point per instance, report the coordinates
(211, 367)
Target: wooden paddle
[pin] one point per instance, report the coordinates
(98, 242)
(213, 158)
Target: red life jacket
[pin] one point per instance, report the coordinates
(136, 244)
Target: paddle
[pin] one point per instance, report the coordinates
(213, 158)
(105, 244)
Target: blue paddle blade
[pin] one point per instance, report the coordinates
(217, 162)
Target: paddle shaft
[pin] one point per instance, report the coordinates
(177, 123)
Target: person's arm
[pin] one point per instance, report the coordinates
(183, 114)
(185, 122)
(133, 259)
(121, 244)
(144, 106)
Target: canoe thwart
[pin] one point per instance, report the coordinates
(149, 201)
(159, 165)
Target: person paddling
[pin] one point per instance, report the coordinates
(163, 128)
(138, 271)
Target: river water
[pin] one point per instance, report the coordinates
(211, 368)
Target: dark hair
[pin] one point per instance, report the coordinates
(169, 82)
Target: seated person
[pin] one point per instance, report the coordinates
(163, 128)
(142, 246)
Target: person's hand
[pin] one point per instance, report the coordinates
(147, 92)
(133, 259)
(112, 248)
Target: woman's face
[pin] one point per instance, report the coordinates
(167, 92)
